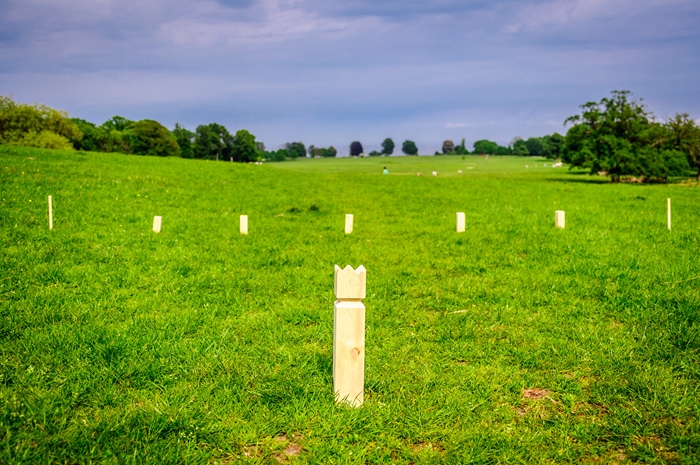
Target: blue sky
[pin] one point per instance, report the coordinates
(330, 72)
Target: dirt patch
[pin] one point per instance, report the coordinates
(535, 393)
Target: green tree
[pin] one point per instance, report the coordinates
(149, 137)
(36, 126)
(117, 123)
(519, 147)
(213, 142)
(535, 146)
(356, 148)
(185, 139)
(332, 152)
(616, 136)
(387, 147)
(409, 147)
(684, 136)
(485, 147)
(295, 149)
(243, 148)
(552, 145)
(448, 147)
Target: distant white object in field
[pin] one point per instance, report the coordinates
(668, 213)
(434, 173)
(419, 174)
(50, 212)
(244, 224)
(559, 220)
(460, 222)
(459, 171)
(157, 223)
(545, 165)
(526, 166)
(348, 223)
(350, 287)
(557, 165)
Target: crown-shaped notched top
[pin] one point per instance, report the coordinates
(350, 283)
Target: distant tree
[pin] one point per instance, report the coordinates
(617, 136)
(243, 147)
(259, 146)
(94, 138)
(295, 149)
(519, 147)
(485, 147)
(448, 147)
(535, 146)
(36, 126)
(310, 150)
(461, 149)
(683, 135)
(500, 150)
(356, 149)
(409, 148)
(374, 153)
(149, 137)
(184, 140)
(117, 123)
(553, 145)
(332, 152)
(387, 146)
(213, 142)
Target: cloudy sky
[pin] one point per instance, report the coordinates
(327, 72)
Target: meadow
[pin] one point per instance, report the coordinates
(513, 342)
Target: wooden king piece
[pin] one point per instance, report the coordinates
(349, 335)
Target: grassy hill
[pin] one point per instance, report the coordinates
(514, 342)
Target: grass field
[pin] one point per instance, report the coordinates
(514, 342)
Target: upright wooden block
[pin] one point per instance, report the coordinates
(349, 335)
(348, 224)
(157, 222)
(50, 212)
(244, 224)
(668, 213)
(460, 222)
(559, 221)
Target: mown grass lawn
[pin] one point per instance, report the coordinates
(514, 342)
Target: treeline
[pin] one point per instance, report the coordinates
(617, 137)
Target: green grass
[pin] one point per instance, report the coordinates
(199, 345)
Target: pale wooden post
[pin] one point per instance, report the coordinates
(50, 212)
(157, 222)
(559, 219)
(244, 224)
(460, 222)
(349, 335)
(348, 224)
(668, 213)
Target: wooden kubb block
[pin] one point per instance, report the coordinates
(244, 224)
(157, 223)
(460, 222)
(348, 223)
(349, 335)
(559, 219)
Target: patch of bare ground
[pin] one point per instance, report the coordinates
(292, 448)
(535, 393)
(427, 446)
(612, 457)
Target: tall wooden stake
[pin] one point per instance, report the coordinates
(348, 224)
(559, 220)
(157, 223)
(668, 213)
(50, 212)
(349, 335)
(244, 224)
(460, 222)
